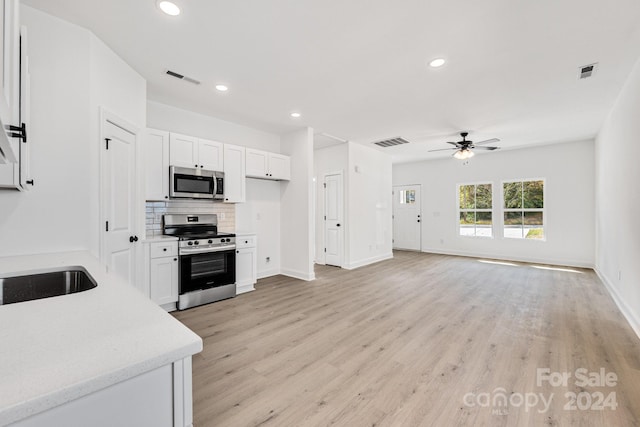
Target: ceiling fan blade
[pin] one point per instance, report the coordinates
(453, 143)
(442, 149)
(486, 148)
(487, 141)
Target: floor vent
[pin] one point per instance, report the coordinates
(587, 71)
(391, 142)
(181, 77)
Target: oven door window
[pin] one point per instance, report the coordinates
(193, 184)
(207, 270)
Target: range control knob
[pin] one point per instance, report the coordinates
(196, 242)
(189, 243)
(210, 241)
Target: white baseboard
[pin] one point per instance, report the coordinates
(368, 261)
(268, 273)
(533, 260)
(626, 311)
(302, 275)
(244, 289)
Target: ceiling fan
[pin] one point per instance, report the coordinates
(463, 148)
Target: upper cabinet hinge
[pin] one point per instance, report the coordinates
(106, 143)
(106, 227)
(325, 185)
(18, 131)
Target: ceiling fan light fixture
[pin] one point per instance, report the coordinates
(463, 154)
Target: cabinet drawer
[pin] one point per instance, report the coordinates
(159, 250)
(245, 242)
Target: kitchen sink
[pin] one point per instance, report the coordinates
(44, 284)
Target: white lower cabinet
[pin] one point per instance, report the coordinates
(162, 397)
(246, 263)
(163, 274)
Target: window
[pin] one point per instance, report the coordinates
(524, 209)
(407, 197)
(475, 210)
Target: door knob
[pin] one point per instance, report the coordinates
(135, 238)
(130, 239)
(418, 220)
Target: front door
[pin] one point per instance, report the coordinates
(119, 185)
(407, 217)
(334, 221)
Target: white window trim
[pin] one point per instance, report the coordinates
(492, 210)
(544, 209)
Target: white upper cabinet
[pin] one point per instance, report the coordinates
(210, 155)
(279, 167)
(265, 165)
(9, 79)
(157, 164)
(191, 152)
(183, 151)
(234, 174)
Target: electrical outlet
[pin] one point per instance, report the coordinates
(221, 215)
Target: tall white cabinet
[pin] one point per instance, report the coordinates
(157, 164)
(234, 174)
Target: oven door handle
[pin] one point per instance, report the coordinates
(190, 251)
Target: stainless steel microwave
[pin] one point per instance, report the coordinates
(191, 183)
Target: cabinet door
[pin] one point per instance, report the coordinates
(183, 151)
(163, 280)
(256, 164)
(9, 78)
(246, 267)
(279, 167)
(234, 174)
(210, 155)
(157, 164)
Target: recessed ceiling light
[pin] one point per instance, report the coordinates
(438, 62)
(169, 8)
(296, 115)
(222, 88)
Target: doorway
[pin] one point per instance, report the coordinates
(119, 195)
(333, 219)
(407, 217)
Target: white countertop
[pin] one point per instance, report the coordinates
(159, 238)
(58, 349)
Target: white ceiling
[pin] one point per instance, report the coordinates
(357, 69)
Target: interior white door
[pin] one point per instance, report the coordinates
(119, 201)
(334, 219)
(407, 217)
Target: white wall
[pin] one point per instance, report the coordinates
(55, 214)
(369, 207)
(328, 160)
(297, 217)
(618, 200)
(261, 215)
(72, 72)
(261, 212)
(173, 119)
(118, 89)
(569, 198)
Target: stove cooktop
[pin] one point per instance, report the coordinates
(201, 236)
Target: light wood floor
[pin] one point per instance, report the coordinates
(401, 343)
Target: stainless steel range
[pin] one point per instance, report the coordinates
(207, 259)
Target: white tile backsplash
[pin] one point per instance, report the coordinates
(155, 211)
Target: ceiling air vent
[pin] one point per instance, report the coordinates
(587, 71)
(181, 77)
(391, 142)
